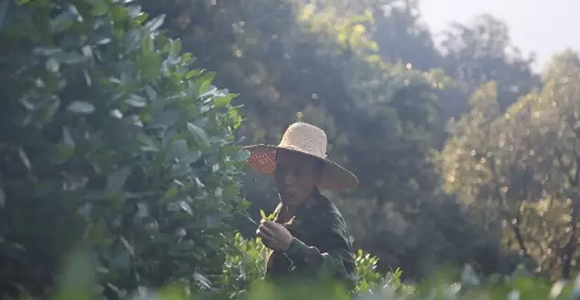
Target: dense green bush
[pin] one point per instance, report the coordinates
(109, 139)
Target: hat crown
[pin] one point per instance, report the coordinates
(306, 138)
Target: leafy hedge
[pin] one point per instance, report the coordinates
(109, 139)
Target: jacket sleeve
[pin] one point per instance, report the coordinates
(334, 254)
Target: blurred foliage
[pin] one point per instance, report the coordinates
(519, 169)
(109, 138)
(76, 283)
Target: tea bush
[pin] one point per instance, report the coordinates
(245, 266)
(109, 136)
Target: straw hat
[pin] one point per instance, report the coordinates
(306, 139)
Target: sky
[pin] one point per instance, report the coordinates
(540, 26)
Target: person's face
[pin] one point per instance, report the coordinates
(296, 176)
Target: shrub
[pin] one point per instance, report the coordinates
(109, 137)
(245, 267)
(366, 266)
(370, 280)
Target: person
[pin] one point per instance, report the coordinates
(308, 237)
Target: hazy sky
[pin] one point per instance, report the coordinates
(541, 26)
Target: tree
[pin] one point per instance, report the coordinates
(558, 109)
(481, 52)
(520, 167)
(402, 38)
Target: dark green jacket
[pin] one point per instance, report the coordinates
(321, 245)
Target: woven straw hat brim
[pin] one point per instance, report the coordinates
(335, 177)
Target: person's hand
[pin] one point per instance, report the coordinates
(274, 236)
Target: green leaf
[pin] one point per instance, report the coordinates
(63, 21)
(175, 47)
(212, 92)
(186, 207)
(67, 138)
(202, 280)
(81, 107)
(150, 66)
(133, 40)
(149, 144)
(177, 150)
(199, 135)
(242, 155)
(116, 180)
(269, 217)
(127, 246)
(88, 79)
(136, 101)
(148, 44)
(204, 85)
(151, 93)
(233, 114)
(24, 159)
(191, 157)
(155, 23)
(52, 65)
(115, 113)
(225, 100)
(104, 41)
(99, 7)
